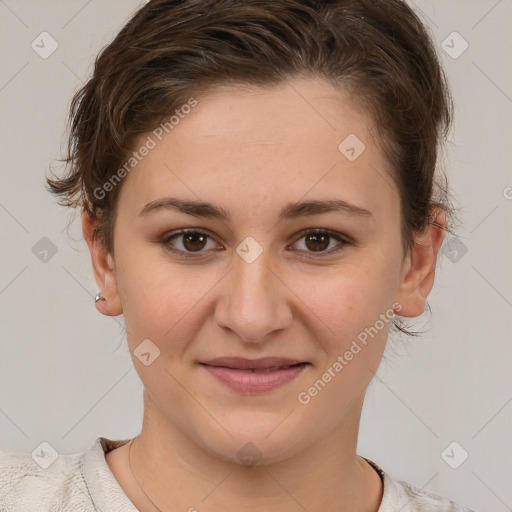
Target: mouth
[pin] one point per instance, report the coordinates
(254, 375)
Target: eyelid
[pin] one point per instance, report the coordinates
(334, 234)
(341, 238)
(165, 240)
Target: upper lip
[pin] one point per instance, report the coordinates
(245, 364)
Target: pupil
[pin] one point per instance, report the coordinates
(323, 240)
(315, 242)
(194, 241)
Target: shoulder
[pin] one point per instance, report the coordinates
(406, 497)
(51, 483)
(420, 500)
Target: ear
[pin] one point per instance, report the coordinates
(103, 266)
(419, 267)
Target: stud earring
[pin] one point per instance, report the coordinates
(98, 297)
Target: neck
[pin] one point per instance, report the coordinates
(177, 474)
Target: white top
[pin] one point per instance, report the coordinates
(83, 482)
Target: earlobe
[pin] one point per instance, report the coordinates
(419, 268)
(103, 265)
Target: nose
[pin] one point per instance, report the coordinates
(254, 301)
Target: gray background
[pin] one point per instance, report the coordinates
(62, 379)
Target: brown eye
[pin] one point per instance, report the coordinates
(317, 241)
(323, 242)
(194, 241)
(189, 242)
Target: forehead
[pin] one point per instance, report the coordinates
(246, 143)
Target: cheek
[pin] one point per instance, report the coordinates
(352, 299)
(359, 315)
(356, 304)
(162, 301)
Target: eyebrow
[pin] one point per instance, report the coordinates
(289, 211)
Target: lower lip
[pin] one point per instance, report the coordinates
(247, 381)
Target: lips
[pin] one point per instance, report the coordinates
(254, 375)
(264, 363)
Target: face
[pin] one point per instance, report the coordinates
(297, 256)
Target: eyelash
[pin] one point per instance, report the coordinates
(343, 241)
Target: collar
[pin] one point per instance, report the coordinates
(107, 495)
(105, 491)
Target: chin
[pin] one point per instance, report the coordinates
(254, 446)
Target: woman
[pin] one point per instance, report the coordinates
(258, 193)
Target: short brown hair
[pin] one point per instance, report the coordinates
(170, 50)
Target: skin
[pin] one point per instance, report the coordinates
(251, 151)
